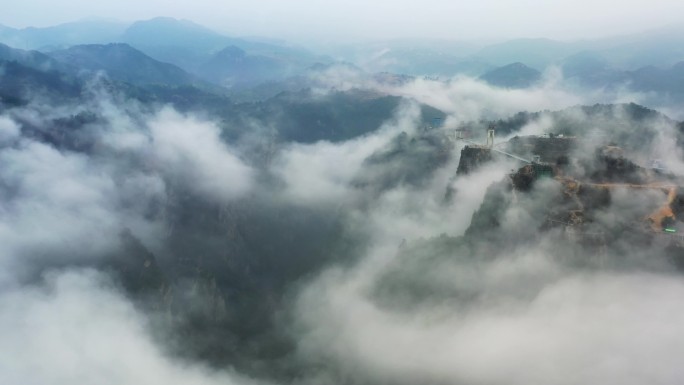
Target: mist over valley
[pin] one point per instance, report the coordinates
(181, 205)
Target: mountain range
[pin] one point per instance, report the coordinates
(200, 50)
(195, 49)
(253, 208)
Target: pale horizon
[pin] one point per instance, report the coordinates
(308, 21)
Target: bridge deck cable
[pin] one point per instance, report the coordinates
(512, 156)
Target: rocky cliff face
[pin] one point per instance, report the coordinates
(472, 157)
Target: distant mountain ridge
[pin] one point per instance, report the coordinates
(63, 35)
(663, 46)
(124, 63)
(185, 44)
(646, 62)
(223, 60)
(32, 59)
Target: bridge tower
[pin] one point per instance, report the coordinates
(490, 137)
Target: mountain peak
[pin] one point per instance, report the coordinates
(166, 31)
(514, 75)
(123, 62)
(231, 52)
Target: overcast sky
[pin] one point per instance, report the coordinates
(377, 19)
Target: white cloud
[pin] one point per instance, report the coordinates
(193, 151)
(78, 329)
(53, 201)
(9, 130)
(532, 325)
(322, 172)
(467, 99)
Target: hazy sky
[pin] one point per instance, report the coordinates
(375, 19)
